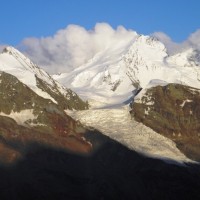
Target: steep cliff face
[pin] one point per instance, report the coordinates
(172, 110)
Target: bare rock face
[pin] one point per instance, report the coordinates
(173, 111)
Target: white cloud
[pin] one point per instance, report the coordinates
(193, 41)
(2, 47)
(171, 46)
(73, 46)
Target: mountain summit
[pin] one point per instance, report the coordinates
(113, 74)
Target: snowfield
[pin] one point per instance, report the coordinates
(118, 125)
(21, 117)
(119, 70)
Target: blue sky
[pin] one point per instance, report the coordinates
(21, 19)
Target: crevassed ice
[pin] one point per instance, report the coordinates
(118, 125)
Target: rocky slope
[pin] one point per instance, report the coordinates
(172, 110)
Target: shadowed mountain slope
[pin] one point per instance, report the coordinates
(112, 171)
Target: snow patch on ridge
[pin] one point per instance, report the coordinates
(152, 83)
(21, 117)
(185, 101)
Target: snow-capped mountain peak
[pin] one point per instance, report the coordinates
(19, 56)
(25, 63)
(117, 70)
(15, 63)
(18, 65)
(146, 48)
(149, 41)
(112, 75)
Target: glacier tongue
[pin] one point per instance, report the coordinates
(117, 124)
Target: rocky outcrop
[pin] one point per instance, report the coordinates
(173, 111)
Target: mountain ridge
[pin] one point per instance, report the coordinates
(116, 72)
